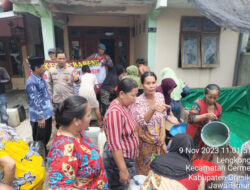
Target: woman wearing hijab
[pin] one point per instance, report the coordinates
(166, 88)
(133, 74)
(179, 91)
(108, 86)
(173, 170)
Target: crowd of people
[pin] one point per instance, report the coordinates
(133, 112)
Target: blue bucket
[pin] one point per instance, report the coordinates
(176, 129)
(215, 134)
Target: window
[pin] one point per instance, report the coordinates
(199, 41)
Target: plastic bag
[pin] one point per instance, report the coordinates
(136, 182)
(38, 147)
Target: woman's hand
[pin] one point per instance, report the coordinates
(120, 162)
(124, 176)
(100, 123)
(211, 116)
(173, 119)
(161, 140)
(160, 107)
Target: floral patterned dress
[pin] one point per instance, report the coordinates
(75, 163)
(149, 133)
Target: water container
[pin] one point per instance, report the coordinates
(101, 141)
(215, 134)
(93, 133)
(21, 112)
(137, 182)
(176, 129)
(14, 119)
(93, 115)
(133, 186)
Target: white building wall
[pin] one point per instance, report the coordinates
(167, 51)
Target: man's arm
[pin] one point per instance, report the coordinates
(34, 100)
(5, 78)
(76, 77)
(109, 62)
(50, 84)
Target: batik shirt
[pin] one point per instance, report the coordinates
(75, 163)
(40, 106)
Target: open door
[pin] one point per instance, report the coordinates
(5, 58)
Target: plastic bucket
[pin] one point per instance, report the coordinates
(93, 133)
(14, 119)
(101, 141)
(137, 182)
(176, 129)
(215, 134)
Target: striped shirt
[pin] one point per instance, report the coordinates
(119, 128)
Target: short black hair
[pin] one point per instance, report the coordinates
(146, 74)
(86, 69)
(33, 67)
(126, 85)
(211, 87)
(140, 61)
(35, 62)
(60, 52)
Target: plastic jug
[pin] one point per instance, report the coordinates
(136, 182)
(101, 141)
(13, 114)
(92, 133)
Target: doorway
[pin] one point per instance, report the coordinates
(110, 47)
(5, 58)
(84, 41)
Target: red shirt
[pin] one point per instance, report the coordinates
(192, 182)
(201, 108)
(119, 127)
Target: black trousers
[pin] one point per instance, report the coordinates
(42, 134)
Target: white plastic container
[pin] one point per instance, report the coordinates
(14, 120)
(92, 133)
(137, 182)
(101, 141)
(93, 115)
